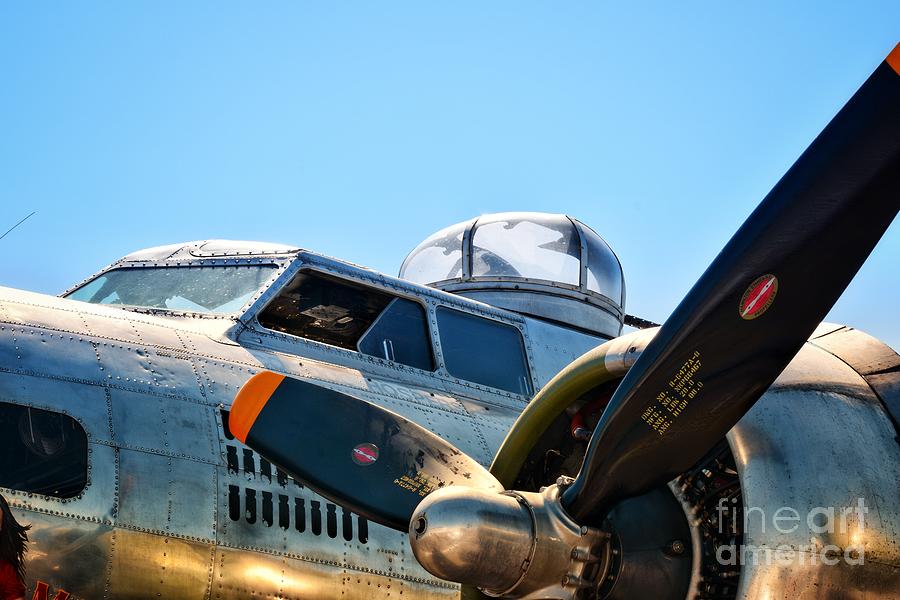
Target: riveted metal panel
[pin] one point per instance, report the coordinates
(877, 362)
(67, 554)
(222, 344)
(887, 386)
(285, 353)
(35, 351)
(246, 574)
(158, 252)
(816, 369)
(325, 371)
(586, 311)
(388, 554)
(274, 513)
(35, 310)
(167, 495)
(416, 589)
(488, 395)
(190, 429)
(144, 565)
(223, 380)
(148, 370)
(239, 575)
(166, 425)
(555, 347)
(215, 339)
(133, 329)
(421, 397)
(819, 441)
(300, 523)
(817, 581)
(493, 423)
(239, 248)
(860, 350)
(241, 522)
(83, 319)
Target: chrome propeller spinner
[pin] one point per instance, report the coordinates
(520, 544)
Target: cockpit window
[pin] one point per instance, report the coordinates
(355, 317)
(483, 351)
(205, 289)
(42, 452)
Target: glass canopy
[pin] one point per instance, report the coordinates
(529, 247)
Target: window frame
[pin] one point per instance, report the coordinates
(523, 347)
(431, 334)
(279, 265)
(254, 335)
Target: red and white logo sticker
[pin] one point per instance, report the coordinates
(759, 297)
(365, 454)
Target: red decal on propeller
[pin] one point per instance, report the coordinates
(365, 454)
(758, 297)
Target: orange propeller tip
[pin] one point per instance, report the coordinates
(893, 59)
(249, 402)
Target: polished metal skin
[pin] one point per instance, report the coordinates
(820, 443)
(175, 507)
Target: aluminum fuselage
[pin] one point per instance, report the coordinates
(174, 507)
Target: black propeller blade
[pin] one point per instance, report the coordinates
(359, 455)
(754, 307)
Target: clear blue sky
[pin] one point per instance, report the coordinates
(358, 128)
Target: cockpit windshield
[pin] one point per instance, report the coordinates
(205, 289)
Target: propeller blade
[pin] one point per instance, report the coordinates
(355, 453)
(754, 307)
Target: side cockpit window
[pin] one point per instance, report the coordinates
(355, 317)
(42, 452)
(484, 351)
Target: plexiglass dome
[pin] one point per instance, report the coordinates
(549, 266)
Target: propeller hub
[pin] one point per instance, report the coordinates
(475, 537)
(518, 544)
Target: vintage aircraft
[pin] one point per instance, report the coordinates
(374, 406)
